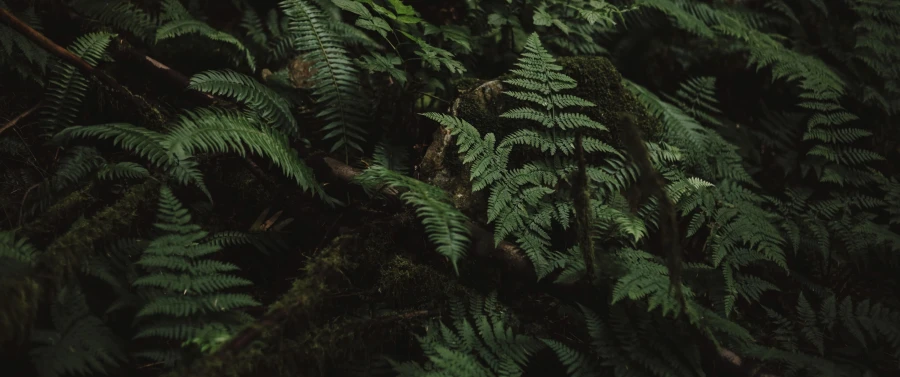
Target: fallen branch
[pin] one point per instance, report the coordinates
(70, 58)
(21, 116)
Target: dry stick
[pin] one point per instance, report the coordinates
(21, 116)
(67, 56)
(55, 49)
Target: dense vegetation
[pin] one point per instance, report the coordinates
(665, 188)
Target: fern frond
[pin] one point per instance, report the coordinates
(272, 107)
(186, 289)
(67, 86)
(445, 225)
(336, 85)
(79, 344)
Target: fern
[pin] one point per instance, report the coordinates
(66, 87)
(122, 15)
(205, 130)
(179, 22)
(479, 332)
(79, 344)
(335, 82)
(523, 201)
(445, 225)
(268, 104)
(187, 288)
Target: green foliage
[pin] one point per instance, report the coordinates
(187, 291)
(523, 202)
(265, 102)
(177, 21)
(15, 47)
(67, 86)
(479, 343)
(335, 82)
(80, 343)
(121, 15)
(445, 225)
(203, 130)
(776, 149)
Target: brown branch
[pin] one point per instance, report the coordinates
(68, 57)
(175, 77)
(21, 116)
(55, 49)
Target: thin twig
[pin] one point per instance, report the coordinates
(21, 116)
(66, 55)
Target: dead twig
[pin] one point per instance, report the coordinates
(21, 116)
(35, 36)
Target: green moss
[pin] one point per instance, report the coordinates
(601, 83)
(60, 210)
(410, 284)
(65, 254)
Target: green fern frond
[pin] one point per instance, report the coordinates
(67, 86)
(186, 288)
(271, 106)
(180, 22)
(79, 344)
(479, 343)
(121, 15)
(445, 225)
(203, 130)
(336, 85)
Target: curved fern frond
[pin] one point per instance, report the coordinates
(272, 107)
(179, 22)
(210, 130)
(445, 225)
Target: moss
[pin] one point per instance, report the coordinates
(309, 290)
(60, 210)
(410, 284)
(65, 253)
(601, 83)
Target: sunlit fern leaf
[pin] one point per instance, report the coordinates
(445, 225)
(271, 106)
(336, 85)
(80, 342)
(67, 85)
